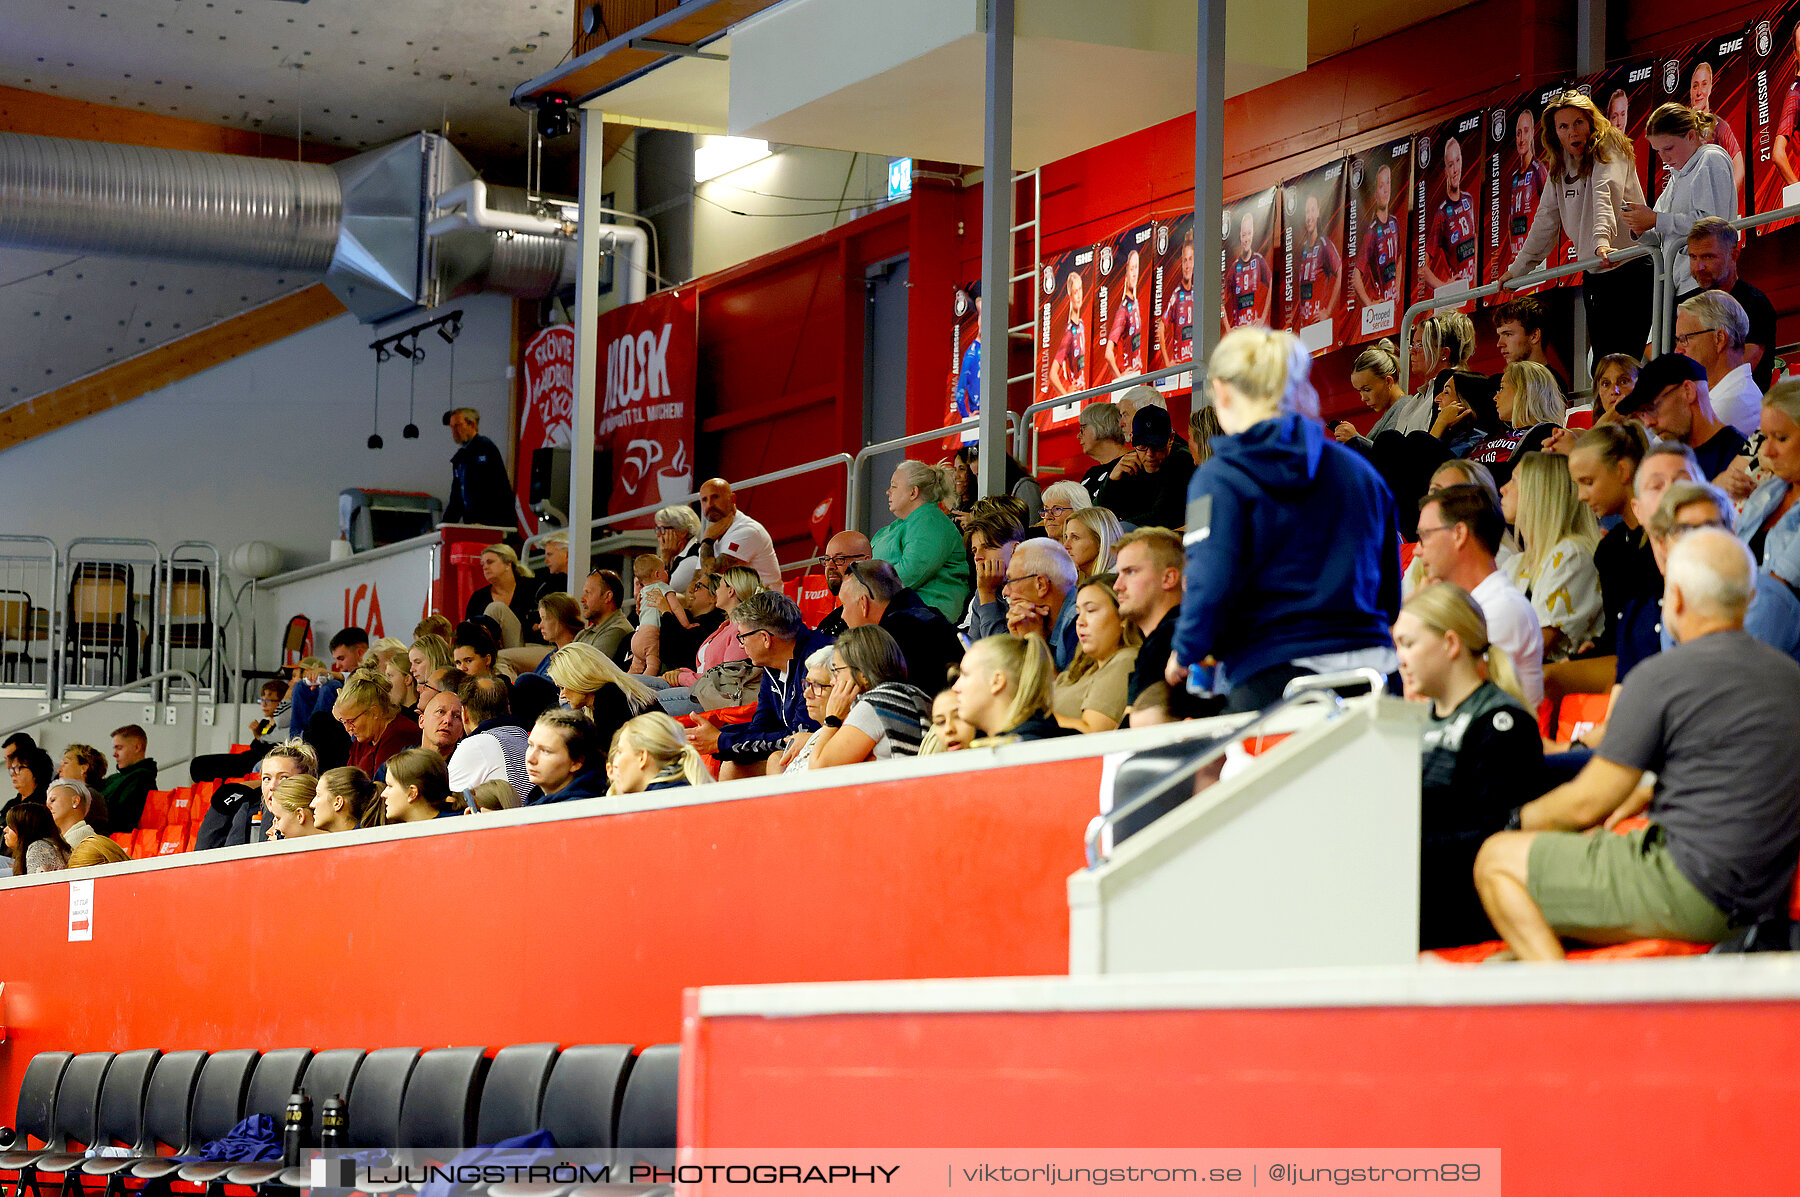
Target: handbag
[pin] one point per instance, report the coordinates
(731, 684)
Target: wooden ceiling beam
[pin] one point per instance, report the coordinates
(60, 116)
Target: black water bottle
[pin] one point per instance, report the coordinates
(333, 1120)
(296, 1134)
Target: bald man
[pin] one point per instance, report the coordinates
(1717, 718)
(735, 538)
(841, 552)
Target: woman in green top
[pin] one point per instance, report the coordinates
(923, 544)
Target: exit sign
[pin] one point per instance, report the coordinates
(899, 178)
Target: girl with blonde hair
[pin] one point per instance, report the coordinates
(510, 585)
(1089, 537)
(651, 752)
(1089, 696)
(1530, 405)
(1555, 565)
(429, 653)
(588, 681)
(1482, 758)
(291, 802)
(1004, 690)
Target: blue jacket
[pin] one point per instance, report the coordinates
(780, 707)
(589, 783)
(1292, 551)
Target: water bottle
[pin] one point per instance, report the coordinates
(333, 1119)
(296, 1134)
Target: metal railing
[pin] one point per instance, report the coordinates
(132, 656)
(1027, 424)
(853, 515)
(27, 583)
(1302, 691)
(57, 712)
(1658, 300)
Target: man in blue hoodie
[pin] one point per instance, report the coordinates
(776, 639)
(1293, 552)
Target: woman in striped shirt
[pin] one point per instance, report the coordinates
(871, 712)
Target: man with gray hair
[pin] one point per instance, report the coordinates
(1038, 596)
(69, 802)
(1712, 328)
(1102, 435)
(1717, 719)
(480, 491)
(777, 640)
(872, 593)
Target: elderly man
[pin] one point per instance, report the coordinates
(1147, 487)
(1711, 328)
(602, 608)
(1717, 718)
(493, 745)
(441, 723)
(69, 802)
(480, 491)
(1713, 247)
(1038, 596)
(1671, 398)
(778, 642)
(841, 552)
(872, 594)
(736, 538)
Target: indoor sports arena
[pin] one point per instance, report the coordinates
(1290, 501)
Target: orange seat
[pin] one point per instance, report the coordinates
(156, 810)
(123, 839)
(816, 600)
(171, 840)
(1579, 713)
(143, 842)
(193, 834)
(181, 805)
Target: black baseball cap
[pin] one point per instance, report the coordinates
(1150, 428)
(1658, 375)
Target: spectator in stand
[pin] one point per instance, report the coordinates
(1711, 328)
(1038, 595)
(1293, 559)
(1102, 436)
(1771, 522)
(871, 712)
(1672, 399)
(735, 538)
(441, 723)
(1774, 614)
(1614, 378)
(1593, 176)
(1089, 537)
(15, 742)
(291, 807)
(32, 839)
(429, 652)
(126, 790)
(417, 789)
(1466, 415)
(1148, 486)
(1554, 567)
(1603, 465)
(993, 531)
(606, 694)
(1481, 758)
(873, 596)
(1203, 425)
(1061, 500)
(344, 800)
(1459, 531)
(475, 653)
(510, 584)
(1717, 718)
(493, 743)
(923, 543)
(555, 578)
(1519, 325)
(480, 492)
(566, 759)
(1089, 696)
(841, 552)
(1698, 183)
(678, 544)
(83, 763)
(703, 617)
(650, 754)
(1149, 585)
(32, 772)
(778, 641)
(373, 721)
(397, 669)
(442, 681)
(1376, 377)
(559, 622)
(1020, 484)
(1531, 409)
(948, 732)
(434, 625)
(1712, 255)
(649, 597)
(1134, 399)
(71, 803)
(1444, 341)
(603, 607)
(487, 797)
(1457, 472)
(1004, 691)
(675, 689)
(796, 752)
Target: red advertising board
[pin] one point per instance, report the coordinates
(1123, 306)
(1252, 229)
(1172, 298)
(548, 410)
(1775, 111)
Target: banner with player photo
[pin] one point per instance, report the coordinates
(1313, 285)
(1628, 92)
(1065, 315)
(1172, 299)
(1716, 77)
(1448, 220)
(1515, 179)
(965, 364)
(1123, 304)
(1380, 230)
(1251, 233)
(1775, 114)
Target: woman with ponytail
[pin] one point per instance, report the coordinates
(652, 753)
(1004, 691)
(1293, 549)
(1376, 377)
(924, 545)
(1482, 758)
(1700, 183)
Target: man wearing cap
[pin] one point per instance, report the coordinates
(1147, 487)
(1671, 399)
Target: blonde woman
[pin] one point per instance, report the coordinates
(373, 720)
(1089, 537)
(652, 753)
(1700, 183)
(291, 804)
(1061, 500)
(1004, 691)
(428, 654)
(923, 544)
(1555, 564)
(588, 681)
(1376, 376)
(1293, 549)
(1482, 756)
(1531, 406)
(396, 666)
(1089, 696)
(510, 584)
(1442, 342)
(1593, 185)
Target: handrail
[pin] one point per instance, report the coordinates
(154, 655)
(1117, 384)
(1299, 692)
(126, 688)
(1535, 278)
(852, 510)
(53, 652)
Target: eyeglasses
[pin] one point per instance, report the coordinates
(1061, 511)
(813, 687)
(1684, 338)
(1424, 531)
(842, 559)
(741, 635)
(1677, 531)
(1011, 582)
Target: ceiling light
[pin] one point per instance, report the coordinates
(715, 156)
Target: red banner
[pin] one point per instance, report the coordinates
(548, 410)
(648, 352)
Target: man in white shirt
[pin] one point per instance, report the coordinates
(736, 538)
(495, 745)
(1712, 328)
(1459, 532)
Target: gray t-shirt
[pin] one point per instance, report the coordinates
(1718, 719)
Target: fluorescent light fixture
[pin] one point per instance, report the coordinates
(715, 156)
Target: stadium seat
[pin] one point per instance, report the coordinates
(143, 842)
(816, 600)
(1581, 418)
(35, 1115)
(1579, 713)
(372, 1086)
(164, 1121)
(438, 1113)
(156, 811)
(193, 836)
(579, 1107)
(119, 1121)
(514, 1091)
(647, 1113)
(124, 839)
(276, 1078)
(217, 1106)
(181, 804)
(71, 1125)
(170, 841)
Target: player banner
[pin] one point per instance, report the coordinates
(1448, 227)
(1313, 287)
(1716, 78)
(1065, 312)
(1775, 113)
(1123, 304)
(1628, 92)
(1252, 230)
(1380, 229)
(1172, 299)
(965, 364)
(1515, 177)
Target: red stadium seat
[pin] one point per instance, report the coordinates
(143, 842)
(181, 805)
(1579, 713)
(791, 588)
(1581, 417)
(171, 840)
(816, 600)
(156, 810)
(193, 834)
(123, 839)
